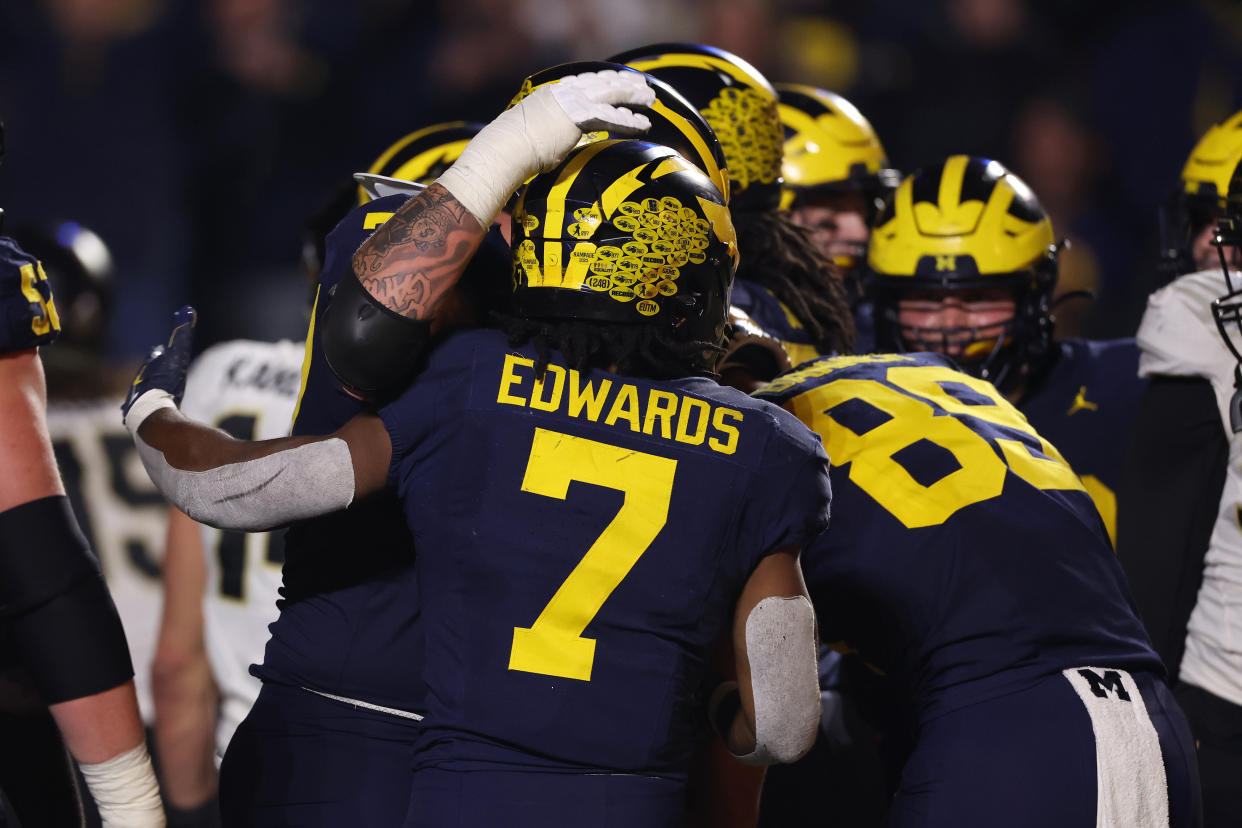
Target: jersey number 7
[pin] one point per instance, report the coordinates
(554, 644)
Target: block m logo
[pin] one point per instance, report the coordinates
(946, 263)
(1102, 686)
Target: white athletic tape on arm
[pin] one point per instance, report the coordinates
(261, 494)
(125, 790)
(537, 133)
(780, 646)
(146, 405)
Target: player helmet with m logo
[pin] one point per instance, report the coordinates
(965, 229)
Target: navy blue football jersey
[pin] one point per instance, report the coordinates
(582, 542)
(965, 558)
(28, 315)
(347, 609)
(1085, 405)
(775, 319)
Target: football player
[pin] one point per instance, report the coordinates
(784, 285)
(592, 633)
(964, 261)
(968, 563)
(57, 618)
(350, 752)
(836, 180)
(1178, 529)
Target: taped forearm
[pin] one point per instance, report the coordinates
(780, 646)
(261, 494)
(125, 790)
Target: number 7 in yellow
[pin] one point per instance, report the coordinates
(554, 645)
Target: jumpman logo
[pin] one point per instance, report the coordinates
(1080, 403)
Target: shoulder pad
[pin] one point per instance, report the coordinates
(28, 315)
(1178, 335)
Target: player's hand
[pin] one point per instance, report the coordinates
(590, 100)
(161, 379)
(535, 134)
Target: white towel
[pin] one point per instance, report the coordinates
(1131, 787)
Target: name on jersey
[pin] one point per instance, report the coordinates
(651, 411)
(244, 372)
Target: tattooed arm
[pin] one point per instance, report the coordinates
(416, 256)
(384, 312)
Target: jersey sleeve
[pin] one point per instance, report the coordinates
(1178, 335)
(28, 315)
(790, 498)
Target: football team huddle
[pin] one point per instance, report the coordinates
(661, 456)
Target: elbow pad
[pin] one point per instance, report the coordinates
(373, 351)
(780, 646)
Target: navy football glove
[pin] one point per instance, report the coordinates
(161, 379)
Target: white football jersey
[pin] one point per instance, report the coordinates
(249, 389)
(1178, 337)
(123, 516)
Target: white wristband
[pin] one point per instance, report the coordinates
(125, 790)
(146, 405)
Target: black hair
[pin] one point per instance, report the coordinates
(638, 350)
(779, 255)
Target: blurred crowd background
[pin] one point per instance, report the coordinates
(197, 136)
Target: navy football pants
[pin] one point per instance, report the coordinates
(299, 759)
(1028, 759)
(447, 799)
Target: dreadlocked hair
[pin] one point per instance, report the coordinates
(780, 256)
(635, 349)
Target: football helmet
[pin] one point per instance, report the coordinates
(675, 122)
(625, 231)
(966, 224)
(829, 147)
(418, 158)
(737, 101)
(1200, 196)
(79, 266)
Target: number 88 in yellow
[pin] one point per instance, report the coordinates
(913, 416)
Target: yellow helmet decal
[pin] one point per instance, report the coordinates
(664, 233)
(753, 151)
(968, 218)
(1213, 160)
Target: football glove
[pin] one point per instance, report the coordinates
(537, 133)
(161, 379)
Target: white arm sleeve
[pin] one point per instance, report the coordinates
(261, 494)
(784, 679)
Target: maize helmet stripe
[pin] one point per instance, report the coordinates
(626, 231)
(554, 224)
(675, 122)
(829, 143)
(737, 102)
(422, 155)
(678, 60)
